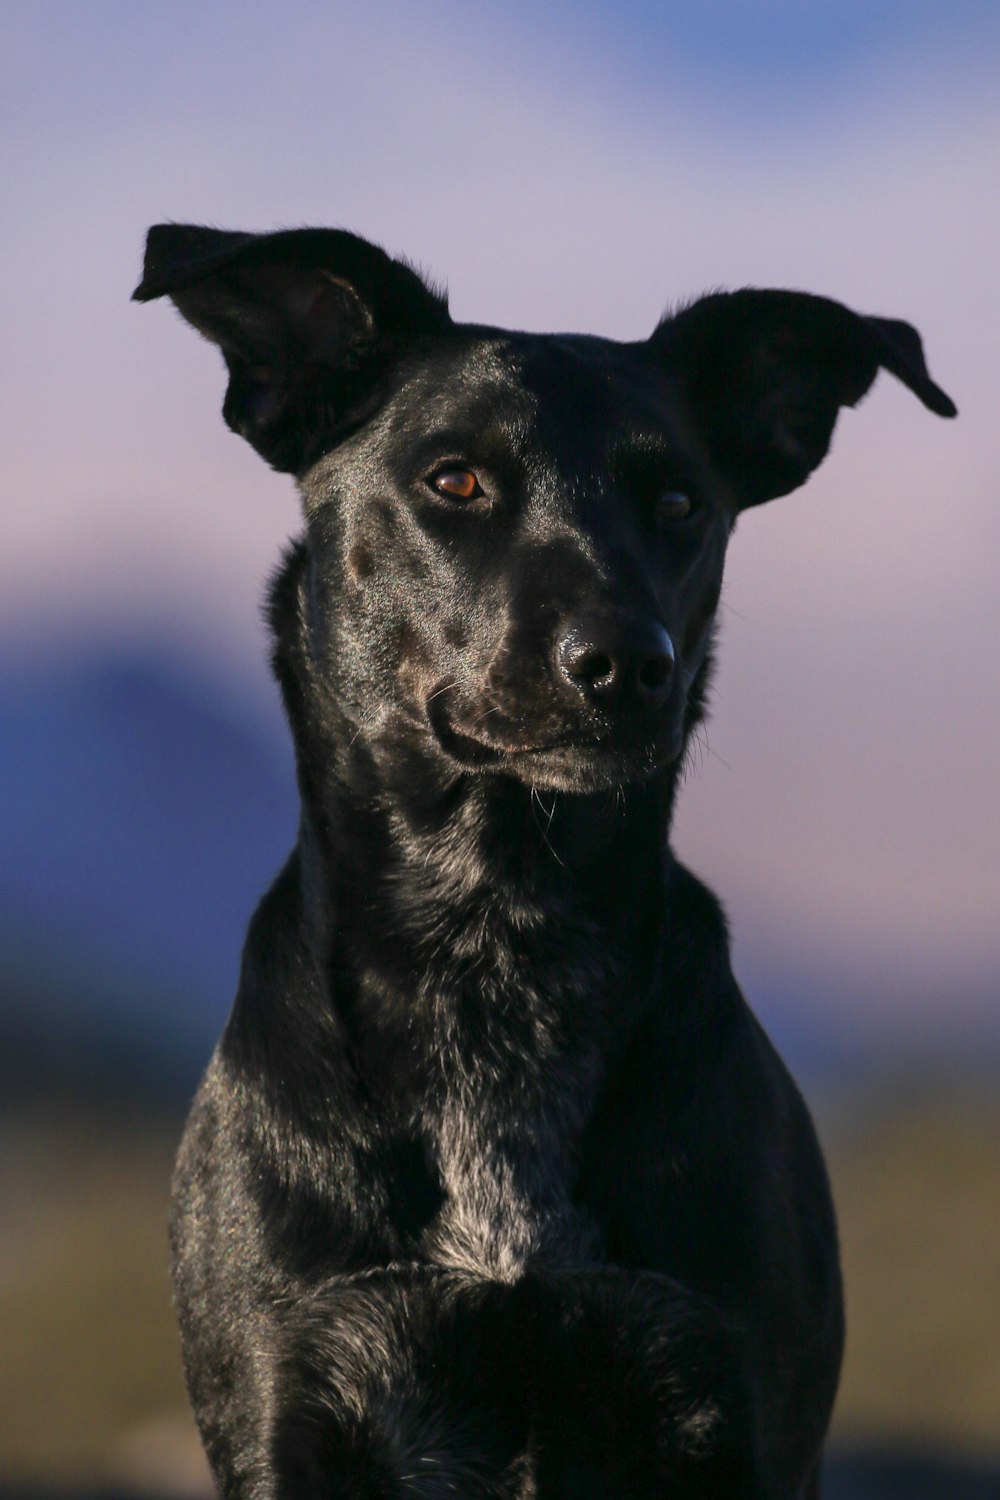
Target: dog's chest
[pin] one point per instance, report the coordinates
(495, 1066)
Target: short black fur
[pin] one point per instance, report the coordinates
(494, 1186)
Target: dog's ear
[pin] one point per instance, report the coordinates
(764, 374)
(309, 322)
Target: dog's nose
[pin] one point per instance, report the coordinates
(609, 658)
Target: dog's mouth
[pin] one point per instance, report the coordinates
(571, 758)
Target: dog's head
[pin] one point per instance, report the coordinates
(516, 541)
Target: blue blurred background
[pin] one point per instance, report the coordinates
(568, 165)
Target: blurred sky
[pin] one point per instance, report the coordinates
(565, 165)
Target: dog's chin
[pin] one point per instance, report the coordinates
(582, 769)
(574, 762)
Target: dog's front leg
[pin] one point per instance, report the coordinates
(404, 1384)
(639, 1389)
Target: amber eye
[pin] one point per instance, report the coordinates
(457, 484)
(673, 505)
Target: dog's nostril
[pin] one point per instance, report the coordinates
(594, 666)
(591, 665)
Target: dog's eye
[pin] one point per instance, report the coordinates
(456, 484)
(673, 505)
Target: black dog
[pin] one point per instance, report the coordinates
(494, 1187)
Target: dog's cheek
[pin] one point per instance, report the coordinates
(696, 599)
(698, 620)
(412, 664)
(416, 613)
(456, 634)
(389, 621)
(359, 566)
(379, 570)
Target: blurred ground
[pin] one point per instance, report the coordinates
(918, 1195)
(91, 1395)
(90, 1383)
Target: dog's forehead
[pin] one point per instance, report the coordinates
(555, 387)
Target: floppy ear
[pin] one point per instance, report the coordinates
(309, 321)
(765, 373)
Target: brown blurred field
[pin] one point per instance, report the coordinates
(90, 1385)
(918, 1195)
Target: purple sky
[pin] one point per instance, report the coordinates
(579, 168)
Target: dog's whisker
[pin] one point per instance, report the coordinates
(711, 750)
(536, 801)
(446, 687)
(552, 809)
(484, 713)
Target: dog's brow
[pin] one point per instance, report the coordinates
(643, 448)
(494, 440)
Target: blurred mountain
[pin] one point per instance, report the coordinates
(145, 804)
(144, 807)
